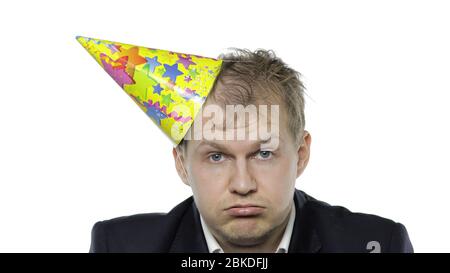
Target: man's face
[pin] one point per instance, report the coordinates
(244, 190)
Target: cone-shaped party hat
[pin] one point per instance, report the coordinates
(169, 87)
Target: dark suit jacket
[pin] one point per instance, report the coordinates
(318, 227)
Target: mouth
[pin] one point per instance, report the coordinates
(245, 210)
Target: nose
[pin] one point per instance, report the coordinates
(242, 182)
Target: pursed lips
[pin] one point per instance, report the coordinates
(244, 210)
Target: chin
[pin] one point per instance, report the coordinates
(246, 234)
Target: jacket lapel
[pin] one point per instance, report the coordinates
(189, 235)
(305, 238)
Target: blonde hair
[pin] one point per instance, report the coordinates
(255, 76)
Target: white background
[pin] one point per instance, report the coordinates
(74, 149)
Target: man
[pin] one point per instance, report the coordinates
(244, 196)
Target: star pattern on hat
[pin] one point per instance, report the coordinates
(193, 73)
(185, 61)
(166, 99)
(157, 89)
(155, 112)
(117, 71)
(143, 84)
(133, 58)
(172, 71)
(152, 63)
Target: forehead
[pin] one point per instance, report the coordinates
(239, 126)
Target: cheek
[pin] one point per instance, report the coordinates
(208, 183)
(277, 181)
(280, 172)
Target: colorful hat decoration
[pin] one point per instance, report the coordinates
(169, 87)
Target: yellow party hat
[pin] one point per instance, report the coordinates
(169, 87)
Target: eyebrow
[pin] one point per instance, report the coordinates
(223, 148)
(212, 144)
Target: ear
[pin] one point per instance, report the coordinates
(303, 153)
(178, 165)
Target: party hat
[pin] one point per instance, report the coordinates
(169, 87)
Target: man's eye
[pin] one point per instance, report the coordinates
(216, 157)
(265, 155)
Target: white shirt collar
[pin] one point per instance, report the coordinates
(214, 247)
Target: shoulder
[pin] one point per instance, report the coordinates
(146, 232)
(344, 230)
